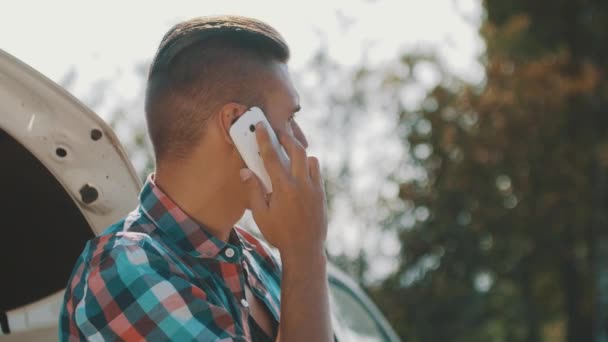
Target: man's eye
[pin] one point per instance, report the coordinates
(292, 117)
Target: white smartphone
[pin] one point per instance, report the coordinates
(243, 135)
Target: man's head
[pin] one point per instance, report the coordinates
(208, 71)
(201, 65)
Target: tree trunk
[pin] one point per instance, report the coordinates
(600, 254)
(578, 325)
(530, 311)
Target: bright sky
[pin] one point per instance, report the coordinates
(101, 38)
(104, 40)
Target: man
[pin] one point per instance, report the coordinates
(176, 268)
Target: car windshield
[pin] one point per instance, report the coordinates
(356, 321)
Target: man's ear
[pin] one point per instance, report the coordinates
(227, 116)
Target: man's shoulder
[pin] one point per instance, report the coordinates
(126, 243)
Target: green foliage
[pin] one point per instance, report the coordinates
(512, 200)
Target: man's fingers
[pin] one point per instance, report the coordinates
(269, 155)
(255, 191)
(297, 156)
(315, 170)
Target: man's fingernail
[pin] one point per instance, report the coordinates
(260, 125)
(245, 174)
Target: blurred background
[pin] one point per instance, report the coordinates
(464, 143)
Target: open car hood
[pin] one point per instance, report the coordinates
(64, 178)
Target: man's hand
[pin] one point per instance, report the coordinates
(294, 219)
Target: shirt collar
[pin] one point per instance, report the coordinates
(188, 234)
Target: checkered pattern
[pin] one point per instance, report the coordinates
(158, 275)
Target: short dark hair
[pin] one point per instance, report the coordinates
(200, 65)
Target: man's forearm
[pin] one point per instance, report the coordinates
(305, 312)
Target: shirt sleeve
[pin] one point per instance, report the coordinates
(132, 293)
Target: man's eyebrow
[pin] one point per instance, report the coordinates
(297, 109)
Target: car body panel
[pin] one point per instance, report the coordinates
(44, 117)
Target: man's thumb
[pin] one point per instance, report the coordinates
(255, 190)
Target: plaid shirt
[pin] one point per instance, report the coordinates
(158, 275)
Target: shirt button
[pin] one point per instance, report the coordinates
(229, 252)
(244, 303)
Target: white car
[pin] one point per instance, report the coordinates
(63, 178)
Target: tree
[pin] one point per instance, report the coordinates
(511, 206)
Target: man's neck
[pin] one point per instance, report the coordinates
(207, 202)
